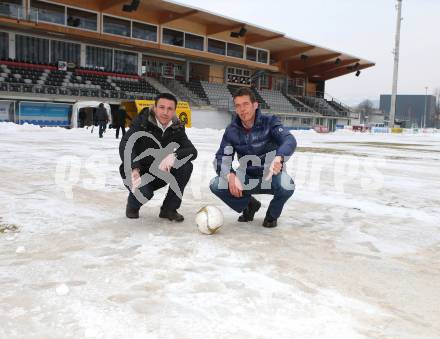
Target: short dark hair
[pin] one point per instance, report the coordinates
(167, 96)
(242, 91)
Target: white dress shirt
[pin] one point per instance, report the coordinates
(161, 126)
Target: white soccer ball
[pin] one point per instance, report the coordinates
(209, 219)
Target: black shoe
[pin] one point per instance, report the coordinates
(249, 212)
(131, 213)
(171, 215)
(269, 222)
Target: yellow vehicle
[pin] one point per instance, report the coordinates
(133, 108)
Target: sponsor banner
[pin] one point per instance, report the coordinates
(44, 113)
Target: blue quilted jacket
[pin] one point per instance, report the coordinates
(267, 138)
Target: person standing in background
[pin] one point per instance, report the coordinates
(120, 118)
(102, 118)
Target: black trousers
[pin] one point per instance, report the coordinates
(172, 200)
(117, 131)
(102, 127)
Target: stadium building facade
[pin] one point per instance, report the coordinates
(69, 50)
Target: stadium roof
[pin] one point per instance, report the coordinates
(291, 55)
(287, 55)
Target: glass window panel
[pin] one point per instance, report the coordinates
(144, 32)
(216, 46)
(11, 8)
(116, 26)
(65, 51)
(251, 54)
(47, 12)
(306, 121)
(4, 45)
(98, 57)
(235, 51)
(82, 19)
(31, 49)
(125, 62)
(262, 56)
(172, 37)
(194, 42)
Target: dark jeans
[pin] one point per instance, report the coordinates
(171, 201)
(117, 131)
(281, 187)
(102, 127)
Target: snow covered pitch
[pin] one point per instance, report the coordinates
(356, 253)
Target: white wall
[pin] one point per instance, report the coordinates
(210, 119)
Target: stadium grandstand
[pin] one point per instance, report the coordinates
(112, 50)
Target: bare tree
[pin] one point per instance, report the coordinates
(365, 109)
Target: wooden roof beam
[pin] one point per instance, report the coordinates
(329, 66)
(340, 72)
(255, 38)
(301, 65)
(290, 53)
(106, 4)
(167, 17)
(215, 29)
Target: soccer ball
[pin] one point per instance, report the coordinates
(209, 219)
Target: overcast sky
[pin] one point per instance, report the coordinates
(361, 28)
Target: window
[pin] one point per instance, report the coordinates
(251, 54)
(65, 51)
(306, 121)
(11, 8)
(4, 45)
(296, 86)
(235, 51)
(238, 76)
(82, 19)
(31, 49)
(116, 26)
(194, 42)
(262, 56)
(144, 32)
(125, 62)
(48, 12)
(264, 81)
(172, 37)
(98, 57)
(216, 46)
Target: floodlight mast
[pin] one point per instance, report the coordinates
(396, 64)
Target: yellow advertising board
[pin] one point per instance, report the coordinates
(134, 107)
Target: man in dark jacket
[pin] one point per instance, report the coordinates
(101, 118)
(262, 145)
(156, 152)
(119, 123)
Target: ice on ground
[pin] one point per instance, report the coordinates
(356, 253)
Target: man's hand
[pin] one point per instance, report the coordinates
(167, 163)
(275, 167)
(235, 186)
(135, 179)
